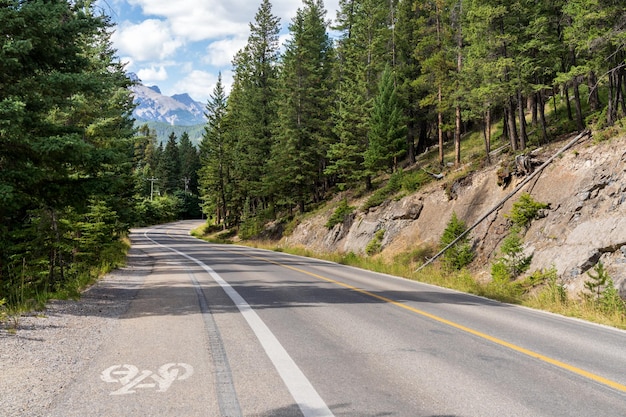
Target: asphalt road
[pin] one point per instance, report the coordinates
(223, 330)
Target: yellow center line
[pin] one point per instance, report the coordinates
(543, 358)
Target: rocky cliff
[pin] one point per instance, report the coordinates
(585, 223)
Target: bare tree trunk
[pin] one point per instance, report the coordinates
(459, 67)
(532, 99)
(579, 111)
(610, 110)
(511, 125)
(594, 97)
(522, 120)
(542, 116)
(487, 133)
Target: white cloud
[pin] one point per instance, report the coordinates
(146, 41)
(152, 74)
(198, 84)
(201, 19)
(220, 53)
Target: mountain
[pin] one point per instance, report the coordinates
(153, 106)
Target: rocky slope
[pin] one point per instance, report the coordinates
(585, 223)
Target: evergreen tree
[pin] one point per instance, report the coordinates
(170, 178)
(216, 156)
(435, 51)
(387, 128)
(252, 107)
(189, 164)
(298, 155)
(363, 50)
(64, 134)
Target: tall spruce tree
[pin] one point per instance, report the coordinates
(387, 128)
(363, 51)
(252, 107)
(189, 164)
(216, 158)
(299, 152)
(170, 179)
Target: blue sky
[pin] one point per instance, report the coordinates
(181, 46)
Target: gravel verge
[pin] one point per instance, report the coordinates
(50, 348)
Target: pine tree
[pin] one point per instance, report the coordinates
(64, 129)
(363, 51)
(298, 155)
(216, 156)
(170, 179)
(189, 164)
(252, 107)
(387, 128)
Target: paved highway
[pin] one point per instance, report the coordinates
(223, 330)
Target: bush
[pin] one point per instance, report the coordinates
(379, 196)
(340, 214)
(375, 245)
(525, 210)
(512, 262)
(461, 254)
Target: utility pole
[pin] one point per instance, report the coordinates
(186, 181)
(152, 180)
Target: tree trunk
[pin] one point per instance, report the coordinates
(522, 120)
(579, 112)
(459, 67)
(440, 128)
(567, 103)
(487, 133)
(610, 109)
(457, 137)
(594, 98)
(533, 108)
(511, 124)
(542, 116)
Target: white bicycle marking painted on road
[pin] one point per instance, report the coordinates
(131, 378)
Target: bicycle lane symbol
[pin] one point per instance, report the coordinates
(131, 378)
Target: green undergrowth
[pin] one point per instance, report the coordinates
(30, 295)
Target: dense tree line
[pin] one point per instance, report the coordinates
(401, 75)
(65, 142)
(165, 178)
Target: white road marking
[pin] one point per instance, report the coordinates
(130, 377)
(301, 389)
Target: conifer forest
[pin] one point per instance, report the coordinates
(344, 100)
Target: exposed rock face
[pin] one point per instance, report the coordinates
(586, 221)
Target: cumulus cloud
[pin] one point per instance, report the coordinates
(146, 41)
(198, 84)
(220, 53)
(201, 19)
(152, 74)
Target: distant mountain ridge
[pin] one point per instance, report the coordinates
(153, 106)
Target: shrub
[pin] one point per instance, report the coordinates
(379, 196)
(461, 254)
(340, 214)
(512, 262)
(375, 245)
(525, 210)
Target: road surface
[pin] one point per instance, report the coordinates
(224, 330)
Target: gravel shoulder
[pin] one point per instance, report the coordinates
(50, 348)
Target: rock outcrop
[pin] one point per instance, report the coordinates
(585, 222)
